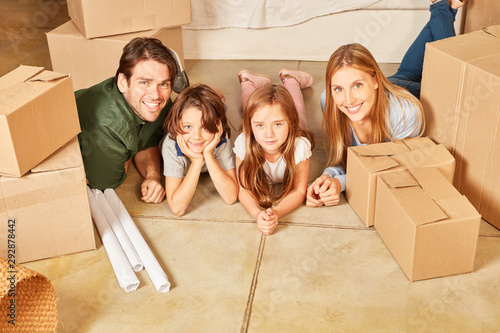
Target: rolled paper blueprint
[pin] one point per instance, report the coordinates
(123, 238)
(155, 272)
(124, 274)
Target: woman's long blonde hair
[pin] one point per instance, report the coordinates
(251, 172)
(336, 123)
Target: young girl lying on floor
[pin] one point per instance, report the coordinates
(273, 147)
(197, 141)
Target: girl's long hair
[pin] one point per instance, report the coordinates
(251, 172)
(337, 124)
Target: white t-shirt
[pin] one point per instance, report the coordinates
(276, 171)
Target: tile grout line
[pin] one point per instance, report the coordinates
(248, 310)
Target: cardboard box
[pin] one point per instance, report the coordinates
(50, 207)
(90, 61)
(365, 163)
(481, 14)
(427, 225)
(37, 116)
(461, 98)
(99, 18)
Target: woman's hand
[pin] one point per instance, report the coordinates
(324, 191)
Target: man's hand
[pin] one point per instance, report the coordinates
(152, 191)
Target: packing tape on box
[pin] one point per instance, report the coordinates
(153, 268)
(124, 273)
(31, 198)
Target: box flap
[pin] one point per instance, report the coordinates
(380, 149)
(47, 76)
(418, 143)
(434, 183)
(20, 74)
(419, 207)
(68, 156)
(458, 207)
(493, 30)
(400, 179)
(378, 163)
(435, 155)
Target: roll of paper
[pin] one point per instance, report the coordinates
(123, 238)
(123, 270)
(155, 271)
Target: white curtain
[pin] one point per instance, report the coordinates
(215, 14)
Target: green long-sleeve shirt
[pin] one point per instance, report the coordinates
(112, 133)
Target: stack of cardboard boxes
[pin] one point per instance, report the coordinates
(44, 208)
(404, 189)
(90, 45)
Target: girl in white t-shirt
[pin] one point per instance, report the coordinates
(273, 147)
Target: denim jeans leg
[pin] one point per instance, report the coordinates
(440, 26)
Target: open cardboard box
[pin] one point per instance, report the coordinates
(90, 61)
(461, 98)
(99, 18)
(50, 208)
(37, 117)
(366, 163)
(427, 225)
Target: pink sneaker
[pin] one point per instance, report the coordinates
(258, 80)
(304, 79)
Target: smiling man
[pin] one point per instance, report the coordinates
(121, 118)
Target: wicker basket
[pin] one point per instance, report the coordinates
(33, 308)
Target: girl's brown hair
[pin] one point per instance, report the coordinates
(251, 172)
(203, 98)
(336, 123)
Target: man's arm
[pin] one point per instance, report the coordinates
(148, 162)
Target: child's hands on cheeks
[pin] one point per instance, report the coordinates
(267, 221)
(186, 151)
(215, 140)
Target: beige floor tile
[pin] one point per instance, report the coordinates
(331, 280)
(210, 266)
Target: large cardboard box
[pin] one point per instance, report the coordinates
(90, 61)
(481, 14)
(427, 225)
(365, 163)
(99, 18)
(37, 116)
(461, 98)
(46, 213)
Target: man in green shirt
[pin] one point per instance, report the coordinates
(122, 118)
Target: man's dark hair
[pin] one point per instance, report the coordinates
(143, 48)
